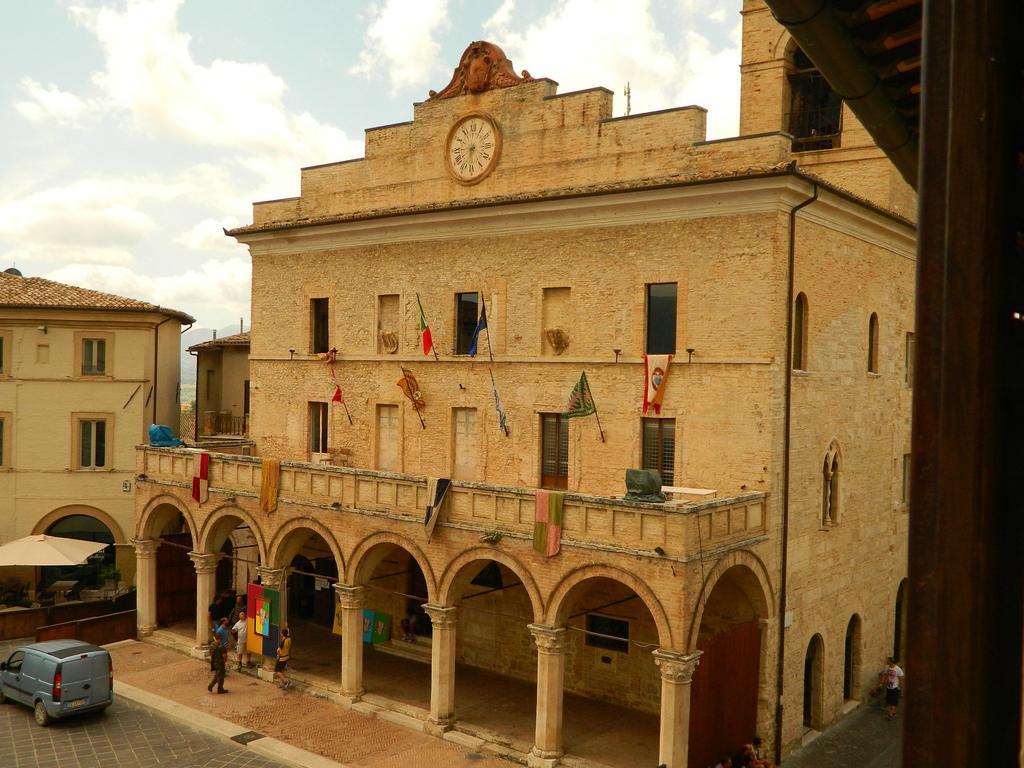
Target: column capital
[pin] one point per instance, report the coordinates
(440, 616)
(350, 597)
(548, 639)
(204, 563)
(145, 547)
(677, 667)
(274, 578)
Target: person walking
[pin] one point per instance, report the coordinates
(239, 631)
(284, 655)
(891, 678)
(217, 660)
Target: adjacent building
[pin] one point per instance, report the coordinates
(222, 386)
(83, 374)
(743, 312)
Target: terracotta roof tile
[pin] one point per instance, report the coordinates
(235, 340)
(39, 293)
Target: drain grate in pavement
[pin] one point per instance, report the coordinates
(247, 737)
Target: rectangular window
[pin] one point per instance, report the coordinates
(320, 338)
(906, 479)
(661, 318)
(389, 448)
(554, 441)
(319, 424)
(467, 313)
(94, 357)
(92, 443)
(464, 448)
(608, 633)
(659, 448)
(3, 452)
(908, 361)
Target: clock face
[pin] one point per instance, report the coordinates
(472, 149)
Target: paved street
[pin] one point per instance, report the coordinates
(863, 739)
(126, 736)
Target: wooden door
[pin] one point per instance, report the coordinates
(175, 580)
(723, 703)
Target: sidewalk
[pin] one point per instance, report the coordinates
(348, 737)
(863, 739)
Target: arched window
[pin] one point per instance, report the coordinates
(873, 343)
(831, 473)
(800, 333)
(899, 635)
(813, 668)
(851, 661)
(815, 112)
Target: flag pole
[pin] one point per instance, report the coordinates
(346, 409)
(490, 352)
(596, 414)
(412, 396)
(433, 346)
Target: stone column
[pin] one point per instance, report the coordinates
(350, 602)
(277, 580)
(547, 748)
(442, 669)
(676, 675)
(206, 583)
(145, 585)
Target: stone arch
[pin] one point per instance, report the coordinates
(557, 606)
(156, 515)
(454, 578)
(278, 551)
(214, 528)
(60, 513)
(364, 560)
(832, 484)
(783, 46)
(762, 599)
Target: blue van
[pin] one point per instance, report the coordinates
(58, 678)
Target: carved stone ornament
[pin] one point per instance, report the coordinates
(204, 563)
(272, 578)
(558, 339)
(389, 340)
(441, 617)
(677, 667)
(483, 67)
(350, 597)
(145, 547)
(548, 639)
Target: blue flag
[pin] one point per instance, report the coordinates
(481, 324)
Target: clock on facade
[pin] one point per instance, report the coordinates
(472, 148)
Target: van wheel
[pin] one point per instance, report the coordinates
(3, 696)
(42, 716)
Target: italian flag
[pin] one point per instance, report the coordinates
(428, 341)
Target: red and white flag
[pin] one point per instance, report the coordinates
(655, 377)
(201, 481)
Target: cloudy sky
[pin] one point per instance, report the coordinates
(132, 132)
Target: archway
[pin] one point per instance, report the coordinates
(727, 684)
(98, 577)
(899, 634)
(175, 573)
(308, 553)
(232, 533)
(612, 698)
(398, 633)
(852, 661)
(813, 704)
(496, 600)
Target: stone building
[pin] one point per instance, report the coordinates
(593, 244)
(82, 376)
(222, 386)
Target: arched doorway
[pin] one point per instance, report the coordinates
(726, 686)
(397, 639)
(175, 573)
(612, 698)
(899, 634)
(814, 661)
(100, 571)
(496, 664)
(852, 660)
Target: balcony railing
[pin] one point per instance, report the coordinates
(682, 529)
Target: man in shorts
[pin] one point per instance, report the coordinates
(239, 631)
(891, 679)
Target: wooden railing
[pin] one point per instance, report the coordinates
(681, 529)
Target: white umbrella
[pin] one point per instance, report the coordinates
(48, 550)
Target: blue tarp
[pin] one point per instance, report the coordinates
(162, 437)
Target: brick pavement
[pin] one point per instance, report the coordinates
(126, 736)
(355, 739)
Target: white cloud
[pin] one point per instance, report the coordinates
(400, 42)
(220, 285)
(48, 102)
(208, 235)
(625, 43)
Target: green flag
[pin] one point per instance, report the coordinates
(581, 402)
